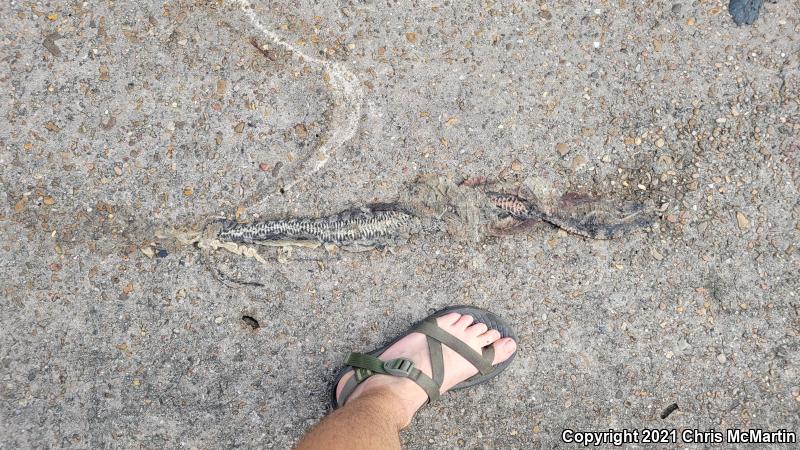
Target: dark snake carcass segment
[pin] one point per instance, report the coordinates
(367, 227)
(392, 224)
(514, 206)
(589, 225)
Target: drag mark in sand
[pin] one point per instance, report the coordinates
(347, 100)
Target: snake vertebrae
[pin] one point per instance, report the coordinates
(393, 224)
(593, 222)
(368, 227)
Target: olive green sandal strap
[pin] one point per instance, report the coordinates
(488, 353)
(430, 328)
(365, 366)
(349, 386)
(437, 360)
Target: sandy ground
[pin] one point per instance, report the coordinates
(122, 118)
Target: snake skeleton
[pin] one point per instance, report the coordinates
(391, 224)
(467, 211)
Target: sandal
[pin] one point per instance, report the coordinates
(367, 364)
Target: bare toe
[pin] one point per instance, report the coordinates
(503, 349)
(489, 337)
(477, 329)
(448, 319)
(465, 321)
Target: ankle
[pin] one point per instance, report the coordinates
(384, 397)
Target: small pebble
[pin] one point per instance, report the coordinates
(654, 253)
(578, 162)
(744, 12)
(742, 221)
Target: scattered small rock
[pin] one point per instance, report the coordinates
(411, 37)
(277, 169)
(300, 130)
(50, 43)
(109, 124)
(744, 12)
(251, 322)
(562, 148)
(742, 221)
(578, 162)
(669, 410)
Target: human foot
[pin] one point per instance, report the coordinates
(408, 395)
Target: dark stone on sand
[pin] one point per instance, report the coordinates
(744, 12)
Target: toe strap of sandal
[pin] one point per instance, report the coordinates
(437, 336)
(366, 366)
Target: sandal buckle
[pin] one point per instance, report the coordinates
(399, 367)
